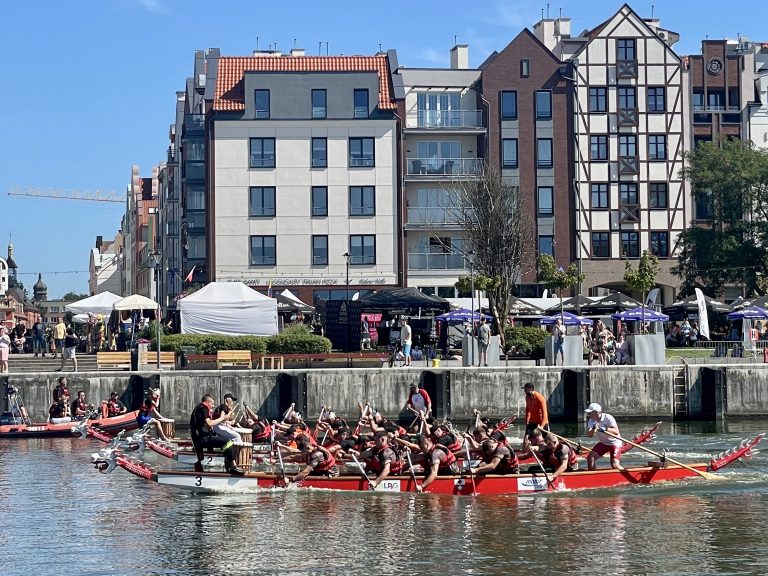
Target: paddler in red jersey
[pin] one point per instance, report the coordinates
(437, 460)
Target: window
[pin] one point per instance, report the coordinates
(703, 202)
(630, 244)
(625, 49)
(361, 103)
(361, 152)
(319, 201)
(439, 110)
(598, 100)
(601, 247)
(544, 152)
(319, 152)
(656, 99)
(627, 146)
(262, 201)
(261, 103)
(508, 105)
(627, 97)
(546, 204)
(319, 250)
(543, 104)
(525, 67)
(509, 153)
(599, 193)
(598, 148)
(195, 197)
(319, 99)
(362, 201)
(658, 194)
(628, 194)
(263, 251)
(546, 245)
(362, 249)
(657, 147)
(660, 244)
(262, 153)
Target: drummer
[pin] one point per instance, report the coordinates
(226, 428)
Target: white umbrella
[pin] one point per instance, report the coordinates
(100, 303)
(135, 302)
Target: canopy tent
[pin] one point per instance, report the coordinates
(81, 318)
(135, 302)
(615, 302)
(389, 299)
(640, 314)
(568, 320)
(689, 304)
(573, 304)
(229, 308)
(286, 305)
(750, 313)
(101, 303)
(291, 296)
(519, 307)
(759, 301)
(462, 315)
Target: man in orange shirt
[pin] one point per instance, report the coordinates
(535, 409)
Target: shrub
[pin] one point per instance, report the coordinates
(521, 347)
(528, 338)
(210, 343)
(298, 340)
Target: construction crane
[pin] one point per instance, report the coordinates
(89, 195)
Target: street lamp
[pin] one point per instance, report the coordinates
(471, 259)
(346, 328)
(157, 257)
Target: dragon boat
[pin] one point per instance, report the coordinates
(661, 470)
(18, 426)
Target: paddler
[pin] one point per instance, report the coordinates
(381, 459)
(498, 458)
(599, 422)
(317, 460)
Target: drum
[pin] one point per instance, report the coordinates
(168, 426)
(242, 454)
(245, 433)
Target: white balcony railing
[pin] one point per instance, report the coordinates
(448, 166)
(445, 119)
(439, 261)
(434, 216)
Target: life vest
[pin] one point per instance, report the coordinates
(57, 411)
(450, 458)
(549, 457)
(375, 464)
(328, 464)
(59, 392)
(112, 408)
(266, 430)
(510, 463)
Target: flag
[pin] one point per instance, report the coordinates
(269, 290)
(703, 318)
(189, 276)
(652, 296)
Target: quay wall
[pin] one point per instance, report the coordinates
(642, 392)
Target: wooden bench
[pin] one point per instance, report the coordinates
(275, 362)
(114, 360)
(233, 358)
(149, 359)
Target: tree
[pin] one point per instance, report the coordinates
(642, 279)
(729, 180)
(497, 237)
(555, 278)
(73, 297)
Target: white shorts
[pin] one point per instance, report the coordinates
(70, 352)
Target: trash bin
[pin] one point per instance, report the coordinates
(134, 359)
(435, 362)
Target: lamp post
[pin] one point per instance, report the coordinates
(471, 255)
(157, 257)
(346, 328)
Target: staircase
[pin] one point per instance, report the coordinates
(680, 393)
(28, 364)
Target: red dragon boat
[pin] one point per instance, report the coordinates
(658, 471)
(26, 429)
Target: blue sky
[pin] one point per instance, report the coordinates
(89, 85)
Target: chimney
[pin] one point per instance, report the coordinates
(460, 57)
(99, 242)
(297, 52)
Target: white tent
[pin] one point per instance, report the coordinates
(135, 302)
(229, 308)
(97, 304)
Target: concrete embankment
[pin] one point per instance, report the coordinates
(643, 392)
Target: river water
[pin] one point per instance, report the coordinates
(60, 517)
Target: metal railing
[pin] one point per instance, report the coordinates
(434, 215)
(428, 261)
(447, 166)
(445, 119)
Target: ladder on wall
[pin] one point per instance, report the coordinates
(680, 393)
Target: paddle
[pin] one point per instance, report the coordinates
(582, 450)
(549, 480)
(706, 475)
(469, 467)
(319, 419)
(362, 471)
(410, 469)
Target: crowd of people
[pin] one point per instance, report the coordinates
(64, 409)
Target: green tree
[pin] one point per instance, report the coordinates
(729, 180)
(556, 278)
(73, 296)
(642, 279)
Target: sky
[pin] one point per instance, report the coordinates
(88, 86)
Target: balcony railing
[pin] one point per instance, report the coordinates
(629, 165)
(445, 119)
(448, 166)
(629, 213)
(627, 117)
(427, 261)
(194, 123)
(626, 69)
(434, 216)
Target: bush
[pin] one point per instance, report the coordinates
(531, 339)
(520, 347)
(293, 340)
(298, 340)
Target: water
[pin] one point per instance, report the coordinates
(60, 516)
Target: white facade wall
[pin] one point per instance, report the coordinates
(758, 121)
(293, 224)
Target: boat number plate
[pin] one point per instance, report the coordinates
(262, 447)
(35, 428)
(531, 484)
(388, 486)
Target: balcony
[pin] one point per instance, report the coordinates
(194, 123)
(434, 216)
(444, 119)
(626, 69)
(436, 167)
(428, 261)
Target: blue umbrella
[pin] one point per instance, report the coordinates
(752, 312)
(461, 315)
(642, 314)
(568, 320)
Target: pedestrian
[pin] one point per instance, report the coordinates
(38, 338)
(558, 337)
(406, 339)
(5, 349)
(59, 332)
(598, 422)
(483, 339)
(69, 348)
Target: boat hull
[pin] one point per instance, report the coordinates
(48, 430)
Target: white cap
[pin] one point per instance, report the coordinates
(594, 407)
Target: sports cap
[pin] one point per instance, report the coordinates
(594, 407)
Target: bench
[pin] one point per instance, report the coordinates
(114, 360)
(275, 362)
(149, 359)
(233, 358)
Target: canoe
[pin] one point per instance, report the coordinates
(458, 485)
(111, 425)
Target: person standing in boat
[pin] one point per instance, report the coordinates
(61, 391)
(201, 425)
(598, 423)
(536, 414)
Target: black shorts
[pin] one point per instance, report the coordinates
(531, 427)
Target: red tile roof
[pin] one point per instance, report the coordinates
(229, 85)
